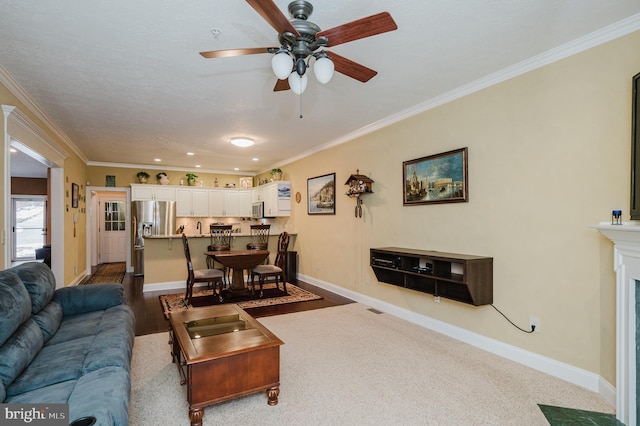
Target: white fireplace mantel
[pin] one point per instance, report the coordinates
(626, 263)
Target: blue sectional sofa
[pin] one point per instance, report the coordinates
(67, 346)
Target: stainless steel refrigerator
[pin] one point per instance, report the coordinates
(150, 219)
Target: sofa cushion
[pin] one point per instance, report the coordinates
(18, 352)
(53, 394)
(15, 305)
(91, 342)
(49, 320)
(87, 298)
(39, 281)
(54, 364)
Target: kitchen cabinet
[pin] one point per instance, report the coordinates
(224, 203)
(144, 192)
(244, 202)
(277, 199)
(192, 202)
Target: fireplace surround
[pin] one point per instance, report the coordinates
(626, 263)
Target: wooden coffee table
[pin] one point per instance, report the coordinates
(223, 353)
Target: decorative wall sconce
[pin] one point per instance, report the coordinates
(358, 185)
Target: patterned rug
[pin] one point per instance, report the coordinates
(108, 273)
(204, 297)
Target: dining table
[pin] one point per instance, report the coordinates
(238, 261)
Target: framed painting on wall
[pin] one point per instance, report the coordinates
(321, 194)
(440, 178)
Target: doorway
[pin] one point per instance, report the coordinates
(29, 215)
(108, 226)
(112, 229)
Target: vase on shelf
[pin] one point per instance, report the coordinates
(191, 182)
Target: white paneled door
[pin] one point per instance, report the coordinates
(112, 233)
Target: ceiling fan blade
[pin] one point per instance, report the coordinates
(270, 13)
(351, 69)
(281, 85)
(237, 52)
(361, 28)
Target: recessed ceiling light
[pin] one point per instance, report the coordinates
(157, 159)
(236, 168)
(189, 153)
(13, 150)
(242, 142)
(254, 159)
(197, 165)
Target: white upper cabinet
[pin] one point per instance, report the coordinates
(277, 199)
(144, 192)
(192, 202)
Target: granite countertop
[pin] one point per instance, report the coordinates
(235, 234)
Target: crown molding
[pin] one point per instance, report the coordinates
(12, 85)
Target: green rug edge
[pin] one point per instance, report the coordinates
(560, 416)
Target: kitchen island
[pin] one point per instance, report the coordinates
(165, 265)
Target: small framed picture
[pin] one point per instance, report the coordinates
(110, 181)
(74, 195)
(321, 195)
(246, 182)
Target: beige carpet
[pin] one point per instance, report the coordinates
(108, 273)
(346, 365)
(204, 297)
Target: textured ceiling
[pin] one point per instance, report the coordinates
(123, 79)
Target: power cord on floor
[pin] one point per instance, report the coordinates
(533, 327)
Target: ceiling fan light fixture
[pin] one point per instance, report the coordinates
(281, 64)
(242, 142)
(323, 69)
(297, 82)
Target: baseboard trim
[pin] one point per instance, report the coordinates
(567, 372)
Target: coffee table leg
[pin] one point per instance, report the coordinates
(272, 395)
(195, 415)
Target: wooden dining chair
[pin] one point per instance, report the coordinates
(214, 276)
(220, 240)
(276, 270)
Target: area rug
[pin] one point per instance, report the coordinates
(204, 297)
(108, 273)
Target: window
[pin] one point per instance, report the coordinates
(29, 229)
(114, 216)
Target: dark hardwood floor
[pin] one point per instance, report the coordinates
(150, 319)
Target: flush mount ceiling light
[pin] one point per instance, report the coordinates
(242, 142)
(299, 40)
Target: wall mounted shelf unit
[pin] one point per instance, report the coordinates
(461, 277)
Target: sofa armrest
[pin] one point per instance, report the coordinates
(90, 297)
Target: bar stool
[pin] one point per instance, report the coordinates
(220, 241)
(259, 237)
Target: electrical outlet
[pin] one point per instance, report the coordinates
(436, 299)
(75, 270)
(534, 321)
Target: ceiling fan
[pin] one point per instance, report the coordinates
(301, 39)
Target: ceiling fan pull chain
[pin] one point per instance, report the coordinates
(300, 103)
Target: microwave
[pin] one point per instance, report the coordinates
(257, 210)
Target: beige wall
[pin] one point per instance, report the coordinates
(549, 155)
